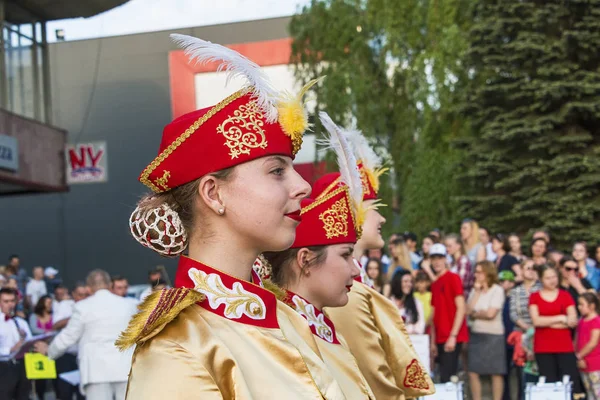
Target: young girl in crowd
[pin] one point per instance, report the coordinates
(422, 293)
(410, 308)
(374, 270)
(588, 337)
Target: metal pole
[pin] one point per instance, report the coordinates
(46, 76)
(20, 67)
(36, 74)
(3, 80)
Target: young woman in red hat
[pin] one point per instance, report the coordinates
(371, 324)
(225, 190)
(318, 270)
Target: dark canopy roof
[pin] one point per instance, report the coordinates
(27, 11)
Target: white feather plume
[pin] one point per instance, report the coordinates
(236, 65)
(345, 158)
(362, 149)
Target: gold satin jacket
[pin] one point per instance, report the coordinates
(376, 335)
(333, 348)
(223, 338)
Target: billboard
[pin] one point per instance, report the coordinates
(86, 163)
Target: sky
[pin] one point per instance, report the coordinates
(156, 15)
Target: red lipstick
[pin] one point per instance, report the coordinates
(349, 287)
(295, 216)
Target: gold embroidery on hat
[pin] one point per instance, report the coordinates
(163, 180)
(335, 219)
(144, 178)
(243, 130)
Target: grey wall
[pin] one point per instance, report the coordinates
(87, 227)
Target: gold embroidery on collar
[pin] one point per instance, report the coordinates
(245, 131)
(309, 313)
(238, 301)
(182, 138)
(335, 219)
(163, 180)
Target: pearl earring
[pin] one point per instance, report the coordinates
(221, 211)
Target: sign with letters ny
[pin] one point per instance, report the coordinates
(86, 163)
(9, 153)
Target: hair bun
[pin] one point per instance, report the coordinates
(159, 228)
(262, 267)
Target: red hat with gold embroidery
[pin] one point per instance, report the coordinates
(254, 122)
(336, 217)
(369, 167)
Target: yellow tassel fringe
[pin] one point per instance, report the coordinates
(157, 310)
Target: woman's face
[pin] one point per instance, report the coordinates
(479, 275)
(373, 270)
(328, 284)
(451, 246)
(538, 249)
(569, 269)
(497, 246)
(12, 283)
(371, 235)
(515, 243)
(407, 283)
(427, 243)
(529, 273)
(48, 304)
(483, 236)
(465, 231)
(579, 252)
(550, 279)
(258, 199)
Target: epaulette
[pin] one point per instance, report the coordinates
(156, 311)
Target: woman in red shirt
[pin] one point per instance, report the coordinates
(553, 314)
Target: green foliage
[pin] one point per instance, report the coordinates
(395, 68)
(534, 104)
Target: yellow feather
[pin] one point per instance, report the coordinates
(292, 115)
(157, 310)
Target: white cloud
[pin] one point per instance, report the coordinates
(154, 15)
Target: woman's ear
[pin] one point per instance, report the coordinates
(209, 191)
(303, 258)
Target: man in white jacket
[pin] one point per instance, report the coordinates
(95, 324)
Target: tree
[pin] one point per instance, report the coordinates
(533, 102)
(394, 68)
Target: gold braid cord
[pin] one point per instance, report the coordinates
(272, 287)
(157, 310)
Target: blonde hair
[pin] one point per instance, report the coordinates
(403, 257)
(474, 239)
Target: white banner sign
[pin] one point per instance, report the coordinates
(86, 163)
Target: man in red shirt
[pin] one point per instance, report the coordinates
(448, 306)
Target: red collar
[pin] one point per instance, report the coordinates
(227, 296)
(319, 324)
